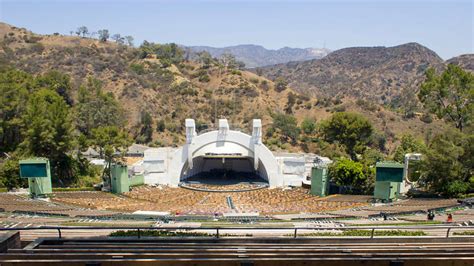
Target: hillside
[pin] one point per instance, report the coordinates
(258, 56)
(465, 61)
(171, 92)
(370, 73)
(168, 92)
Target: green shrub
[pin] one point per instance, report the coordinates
(138, 68)
(156, 233)
(368, 233)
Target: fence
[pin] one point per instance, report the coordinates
(217, 231)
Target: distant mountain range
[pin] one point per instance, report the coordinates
(374, 73)
(258, 56)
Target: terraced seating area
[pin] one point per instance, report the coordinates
(23, 204)
(185, 201)
(250, 251)
(399, 207)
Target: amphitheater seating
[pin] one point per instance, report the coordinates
(23, 204)
(242, 251)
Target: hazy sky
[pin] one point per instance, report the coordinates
(443, 26)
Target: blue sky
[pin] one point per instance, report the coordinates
(443, 26)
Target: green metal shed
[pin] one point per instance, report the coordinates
(38, 172)
(388, 177)
(387, 191)
(389, 171)
(120, 180)
(319, 181)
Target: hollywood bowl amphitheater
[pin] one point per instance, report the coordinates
(225, 151)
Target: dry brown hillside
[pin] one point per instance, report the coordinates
(188, 89)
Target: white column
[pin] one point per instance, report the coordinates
(256, 140)
(190, 134)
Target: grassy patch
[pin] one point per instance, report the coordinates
(156, 233)
(464, 233)
(401, 224)
(104, 224)
(65, 189)
(3, 189)
(368, 233)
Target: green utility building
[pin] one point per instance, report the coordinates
(319, 181)
(388, 177)
(120, 180)
(38, 172)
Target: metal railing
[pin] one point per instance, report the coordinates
(217, 231)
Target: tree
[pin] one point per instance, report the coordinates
(146, 128)
(96, 108)
(118, 39)
(205, 59)
(49, 131)
(103, 35)
(15, 88)
(280, 84)
(350, 129)
(82, 30)
(408, 144)
(349, 174)
(57, 81)
(10, 174)
(129, 40)
(449, 95)
(290, 102)
(287, 125)
(109, 140)
(308, 126)
(161, 125)
(448, 164)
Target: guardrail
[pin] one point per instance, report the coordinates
(218, 230)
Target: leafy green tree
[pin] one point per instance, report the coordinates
(287, 125)
(308, 126)
(280, 84)
(109, 140)
(169, 53)
(96, 108)
(57, 81)
(449, 95)
(408, 144)
(10, 174)
(448, 163)
(347, 173)
(104, 35)
(15, 88)
(49, 131)
(350, 129)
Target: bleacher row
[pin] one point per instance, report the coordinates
(25, 205)
(250, 251)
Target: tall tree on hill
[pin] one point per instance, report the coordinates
(103, 35)
(146, 128)
(15, 88)
(57, 81)
(96, 108)
(129, 40)
(287, 125)
(49, 131)
(449, 95)
(82, 30)
(350, 129)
